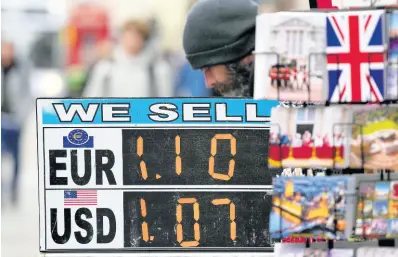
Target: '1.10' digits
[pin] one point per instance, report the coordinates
(178, 164)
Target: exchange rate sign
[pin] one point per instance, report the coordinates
(172, 174)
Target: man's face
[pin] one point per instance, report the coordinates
(216, 74)
(230, 80)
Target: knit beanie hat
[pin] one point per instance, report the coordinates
(219, 31)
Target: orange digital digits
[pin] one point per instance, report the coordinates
(144, 226)
(180, 233)
(213, 151)
(140, 152)
(231, 214)
(178, 158)
(178, 167)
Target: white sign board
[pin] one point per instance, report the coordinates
(164, 174)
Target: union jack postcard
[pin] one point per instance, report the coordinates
(290, 56)
(356, 44)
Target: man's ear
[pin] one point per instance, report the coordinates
(248, 59)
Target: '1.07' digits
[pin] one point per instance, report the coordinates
(179, 228)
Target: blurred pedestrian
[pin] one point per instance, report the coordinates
(15, 107)
(135, 68)
(102, 51)
(219, 38)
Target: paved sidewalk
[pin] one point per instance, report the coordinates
(20, 225)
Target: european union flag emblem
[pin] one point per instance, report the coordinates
(78, 138)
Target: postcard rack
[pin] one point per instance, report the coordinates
(278, 74)
(356, 241)
(381, 174)
(361, 169)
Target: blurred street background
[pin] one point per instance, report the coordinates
(73, 48)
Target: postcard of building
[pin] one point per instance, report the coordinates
(289, 56)
(308, 207)
(312, 137)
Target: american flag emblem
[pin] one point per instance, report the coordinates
(80, 197)
(355, 56)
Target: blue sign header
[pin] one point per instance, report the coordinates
(154, 111)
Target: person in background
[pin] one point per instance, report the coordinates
(219, 38)
(297, 141)
(103, 51)
(307, 139)
(318, 141)
(134, 68)
(16, 103)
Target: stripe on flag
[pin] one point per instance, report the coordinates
(80, 197)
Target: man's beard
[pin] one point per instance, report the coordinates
(240, 81)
